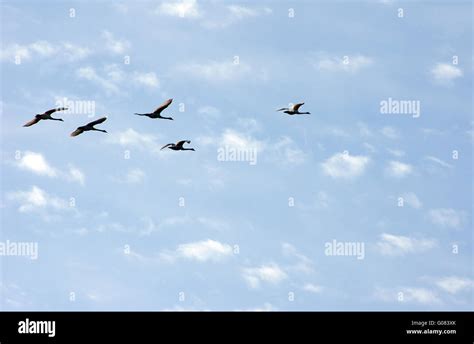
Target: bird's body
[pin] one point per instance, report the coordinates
(45, 116)
(89, 127)
(294, 110)
(177, 146)
(158, 111)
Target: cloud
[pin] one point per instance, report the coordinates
(398, 169)
(134, 139)
(412, 200)
(445, 73)
(287, 153)
(446, 217)
(390, 133)
(453, 284)
(115, 46)
(241, 141)
(146, 79)
(133, 176)
(200, 251)
(408, 295)
(234, 14)
(396, 152)
(335, 64)
(398, 245)
(36, 200)
(44, 49)
(270, 273)
(182, 9)
(438, 161)
(312, 288)
(89, 73)
(216, 71)
(342, 165)
(37, 163)
(303, 263)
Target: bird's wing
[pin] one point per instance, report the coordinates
(297, 106)
(181, 143)
(49, 112)
(33, 121)
(97, 121)
(166, 146)
(163, 106)
(282, 109)
(76, 132)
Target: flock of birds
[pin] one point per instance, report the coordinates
(291, 110)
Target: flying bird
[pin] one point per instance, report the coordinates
(89, 127)
(45, 116)
(177, 146)
(158, 111)
(294, 110)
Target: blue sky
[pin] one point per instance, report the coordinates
(121, 225)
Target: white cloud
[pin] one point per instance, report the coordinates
(241, 141)
(446, 73)
(303, 263)
(408, 295)
(114, 45)
(438, 161)
(209, 112)
(396, 152)
(182, 9)
(37, 200)
(412, 200)
(200, 251)
(286, 152)
(234, 14)
(393, 245)
(146, 79)
(133, 176)
(270, 273)
(37, 163)
(352, 64)
(447, 217)
(89, 73)
(44, 49)
(399, 169)
(453, 284)
(216, 71)
(312, 288)
(347, 166)
(390, 133)
(134, 139)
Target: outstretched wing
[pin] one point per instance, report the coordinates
(97, 121)
(180, 144)
(163, 106)
(76, 132)
(297, 106)
(166, 146)
(33, 121)
(49, 112)
(282, 109)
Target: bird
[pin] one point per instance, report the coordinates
(177, 146)
(158, 111)
(45, 116)
(89, 126)
(294, 110)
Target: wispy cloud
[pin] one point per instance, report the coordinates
(438, 161)
(399, 169)
(447, 217)
(345, 166)
(394, 245)
(216, 71)
(131, 138)
(390, 132)
(412, 200)
(445, 73)
(312, 288)
(270, 273)
(37, 200)
(182, 9)
(200, 251)
(408, 295)
(113, 45)
(454, 284)
(352, 64)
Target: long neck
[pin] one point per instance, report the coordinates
(166, 117)
(99, 130)
(187, 149)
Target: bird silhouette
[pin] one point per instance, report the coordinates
(89, 127)
(294, 110)
(45, 116)
(177, 146)
(158, 111)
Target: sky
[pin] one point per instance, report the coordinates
(364, 204)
